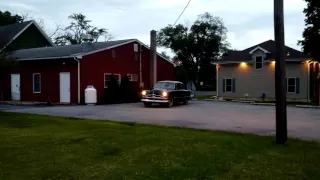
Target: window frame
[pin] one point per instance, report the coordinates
(295, 85)
(255, 60)
(104, 78)
(225, 85)
(33, 83)
(130, 77)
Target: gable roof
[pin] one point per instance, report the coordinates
(68, 51)
(268, 46)
(10, 32)
(71, 51)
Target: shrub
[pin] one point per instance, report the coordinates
(111, 93)
(126, 90)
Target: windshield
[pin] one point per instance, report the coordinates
(164, 85)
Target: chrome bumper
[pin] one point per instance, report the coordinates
(155, 100)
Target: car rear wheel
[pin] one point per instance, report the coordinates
(170, 103)
(147, 104)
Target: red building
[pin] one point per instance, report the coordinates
(60, 74)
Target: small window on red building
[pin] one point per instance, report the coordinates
(107, 78)
(36, 83)
(133, 77)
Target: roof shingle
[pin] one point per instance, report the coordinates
(270, 46)
(62, 51)
(8, 32)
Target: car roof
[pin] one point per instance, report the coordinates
(172, 82)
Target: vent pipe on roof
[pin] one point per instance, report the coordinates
(87, 45)
(87, 38)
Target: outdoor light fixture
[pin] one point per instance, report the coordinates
(243, 64)
(273, 62)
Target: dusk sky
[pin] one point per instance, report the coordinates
(249, 22)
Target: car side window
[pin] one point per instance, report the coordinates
(180, 86)
(176, 86)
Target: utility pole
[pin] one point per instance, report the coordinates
(280, 73)
(153, 58)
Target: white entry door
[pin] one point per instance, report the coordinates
(65, 87)
(15, 87)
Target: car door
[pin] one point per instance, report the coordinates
(180, 91)
(184, 93)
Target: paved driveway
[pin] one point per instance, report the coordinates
(303, 123)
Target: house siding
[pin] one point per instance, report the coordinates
(94, 66)
(30, 38)
(92, 70)
(50, 79)
(256, 81)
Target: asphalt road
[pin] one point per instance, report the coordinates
(238, 117)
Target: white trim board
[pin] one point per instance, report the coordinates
(62, 57)
(259, 48)
(80, 55)
(36, 92)
(250, 61)
(43, 33)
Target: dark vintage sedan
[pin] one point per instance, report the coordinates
(167, 93)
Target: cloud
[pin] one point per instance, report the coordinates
(20, 6)
(248, 21)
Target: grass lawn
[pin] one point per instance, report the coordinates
(43, 147)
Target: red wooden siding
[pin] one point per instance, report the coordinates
(92, 70)
(94, 66)
(50, 79)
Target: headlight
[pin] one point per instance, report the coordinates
(164, 94)
(144, 93)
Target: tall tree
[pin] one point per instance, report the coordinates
(79, 25)
(311, 33)
(7, 18)
(198, 46)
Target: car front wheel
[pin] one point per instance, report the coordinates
(170, 103)
(185, 102)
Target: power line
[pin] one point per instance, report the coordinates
(182, 12)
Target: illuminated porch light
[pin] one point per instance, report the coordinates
(243, 64)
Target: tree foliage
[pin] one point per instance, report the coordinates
(6, 61)
(79, 25)
(311, 33)
(196, 46)
(7, 18)
(164, 54)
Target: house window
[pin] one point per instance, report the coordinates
(229, 85)
(259, 62)
(133, 77)
(291, 85)
(107, 78)
(36, 83)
